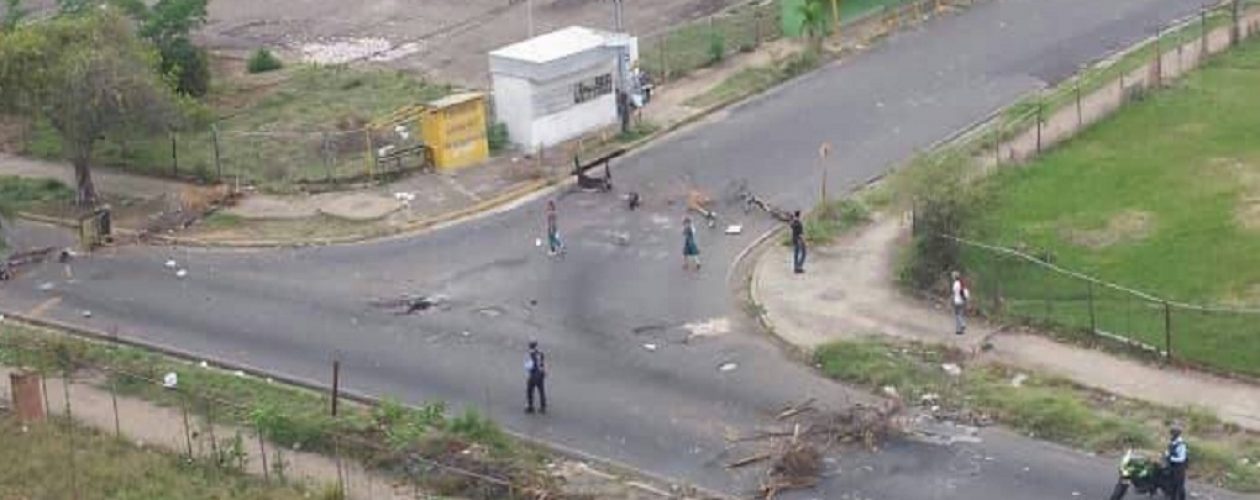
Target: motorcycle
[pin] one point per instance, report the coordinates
(1144, 475)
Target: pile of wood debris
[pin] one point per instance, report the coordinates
(794, 451)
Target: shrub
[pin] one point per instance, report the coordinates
(497, 137)
(717, 47)
(263, 61)
(942, 199)
(477, 428)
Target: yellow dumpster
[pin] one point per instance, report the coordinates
(455, 128)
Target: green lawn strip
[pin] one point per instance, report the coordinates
(381, 437)
(1020, 116)
(277, 140)
(36, 458)
(19, 194)
(1154, 198)
(829, 221)
(1045, 407)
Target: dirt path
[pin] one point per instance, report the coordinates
(849, 291)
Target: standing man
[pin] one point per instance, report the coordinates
(959, 295)
(798, 243)
(1177, 460)
(554, 245)
(536, 373)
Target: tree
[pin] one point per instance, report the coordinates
(814, 22)
(14, 13)
(168, 24)
(89, 76)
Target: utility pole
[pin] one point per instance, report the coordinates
(617, 18)
(529, 17)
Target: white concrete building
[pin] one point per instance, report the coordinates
(557, 86)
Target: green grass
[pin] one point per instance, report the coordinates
(1188, 159)
(23, 193)
(292, 417)
(36, 459)
(1045, 407)
(277, 141)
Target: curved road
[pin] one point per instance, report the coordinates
(667, 411)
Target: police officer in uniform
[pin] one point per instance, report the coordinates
(536, 373)
(1177, 456)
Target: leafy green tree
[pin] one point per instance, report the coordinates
(168, 24)
(89, 76)
(814, 22)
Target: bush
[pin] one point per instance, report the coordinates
(473, 426)
(263, 61)
(942, 198)
(717, 47)
(497, 137)
(188, 65)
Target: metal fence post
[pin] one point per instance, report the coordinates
(1234, 35)
(1080, 119)
(187, 433)
(1159, 57)
(65, 386)
(1040, 110)
(1093, 319)
(218, 162)
(664, 59)
(997, 142)
(1167, 332)
(174, 156)
(756, 27)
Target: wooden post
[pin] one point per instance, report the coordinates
(997, 142)
(371, 154)
(664, 59)
(262, 452)
(218, 164)
(756, 27)
(65, 386)
(187, 432)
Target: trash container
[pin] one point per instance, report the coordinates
(95, 228)
(28, 398)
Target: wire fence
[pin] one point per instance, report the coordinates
(1048, 117)
(353, 451)
(271, 157)
(682, 49)
(1015, 284)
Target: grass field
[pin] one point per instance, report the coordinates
(1045, 407)
(305, 124)
(1163, 197)
(36, 462)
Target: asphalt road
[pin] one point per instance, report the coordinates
(666, 411)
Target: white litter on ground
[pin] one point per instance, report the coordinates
(170, 380)
(650, 347)
(170, 264)
(728, 366)
(952, 369)
(87, 313)
(182, 273)
(1019, 379)
(734, 229)
(344, 50)
(710, 328)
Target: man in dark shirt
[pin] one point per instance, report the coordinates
(536, 373)
(798, 243)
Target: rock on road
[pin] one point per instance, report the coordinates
(666, 410)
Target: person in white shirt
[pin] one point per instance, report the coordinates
(959, 296)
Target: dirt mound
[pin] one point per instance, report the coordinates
(1125, 227)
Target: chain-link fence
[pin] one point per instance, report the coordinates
(1023, 285)
(242, 424)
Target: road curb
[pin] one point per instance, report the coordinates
(361, 398)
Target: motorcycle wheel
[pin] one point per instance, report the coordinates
(1119, 491)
